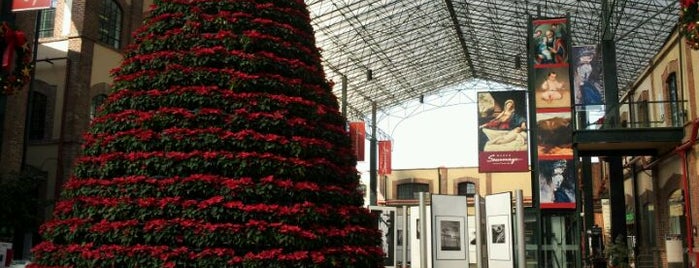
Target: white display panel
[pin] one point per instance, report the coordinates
(449, 236)
(498, 212)
(415, 236)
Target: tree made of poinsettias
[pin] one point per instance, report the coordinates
(220, 146)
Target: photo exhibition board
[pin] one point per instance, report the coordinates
(499, 235)
(449, 231)
(386, 223)
(554, 96)
(415, 236)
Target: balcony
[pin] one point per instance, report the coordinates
(629, 128)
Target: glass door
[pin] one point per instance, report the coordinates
(560, 245)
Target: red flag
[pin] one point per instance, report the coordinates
(385, 157)
(357, 135)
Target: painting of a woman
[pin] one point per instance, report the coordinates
(506, 131)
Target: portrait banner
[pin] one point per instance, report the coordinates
(588, 83)
(552, 88)
(557, 184)
(550, 41)
(503, 136)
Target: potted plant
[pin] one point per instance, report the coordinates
(617, 253)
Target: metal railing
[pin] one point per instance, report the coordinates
(643, 114)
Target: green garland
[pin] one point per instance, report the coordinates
(16, 68)
(689, 17)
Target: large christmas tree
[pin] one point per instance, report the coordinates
(220, 146)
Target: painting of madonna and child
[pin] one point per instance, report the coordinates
(549, 40)
(503, 137)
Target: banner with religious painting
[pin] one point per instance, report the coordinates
(549, 38)
(555, 92)
(587, 76)
(503, 136)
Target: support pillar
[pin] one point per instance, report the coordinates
(617, 197)
(372, 157)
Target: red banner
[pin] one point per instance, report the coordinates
(385, 157)
(357, 133)
(23, 5)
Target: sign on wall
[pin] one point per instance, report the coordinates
(24, 5)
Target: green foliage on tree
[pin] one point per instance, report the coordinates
(221, 145)
(617, 253)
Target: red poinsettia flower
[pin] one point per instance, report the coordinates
(687, 3)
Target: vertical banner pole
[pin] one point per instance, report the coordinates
(404, 252)
(344, 96)
(423, 231)
(373, 176)
(479, 235)
(521, 259)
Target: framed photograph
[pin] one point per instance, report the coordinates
(499, 237)
(451, 242)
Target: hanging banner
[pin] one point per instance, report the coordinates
(24, 5)
(554, 134)
(549, 39)
(503, 139)
(556, 91)
(357, 133)
(557, 184)
(587, 76)
(552, 88)
(385, 157)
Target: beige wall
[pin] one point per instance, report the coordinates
(486, 183)
(105, 59)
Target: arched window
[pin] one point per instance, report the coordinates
(674, 99)
(676, 214)
(467, 188)
(110, 23)
(649, 220)
(411, 190)
(96, 102)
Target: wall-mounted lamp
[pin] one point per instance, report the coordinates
(369, 75)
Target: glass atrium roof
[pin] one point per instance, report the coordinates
(421, 47)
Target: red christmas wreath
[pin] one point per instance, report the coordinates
(689, 17)
(16, 68)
